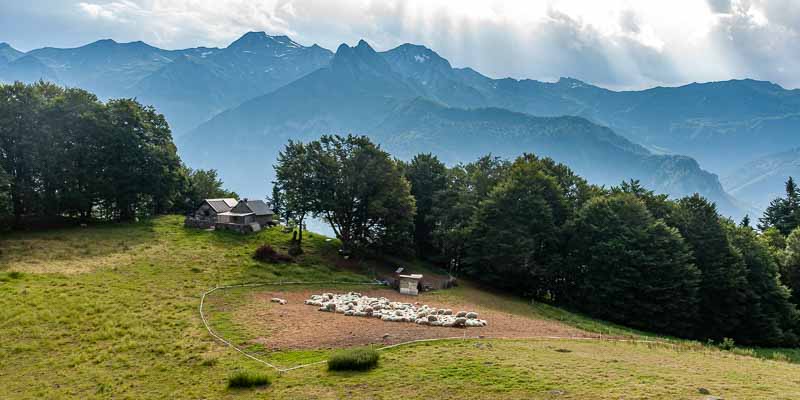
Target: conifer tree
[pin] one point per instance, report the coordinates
(783, 213)
(631, 268)
(723, 284)
(770, 317)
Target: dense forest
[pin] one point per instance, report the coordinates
(533, 227)
(64, 154)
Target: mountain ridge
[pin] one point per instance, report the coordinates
(357, 93)
(188, 85)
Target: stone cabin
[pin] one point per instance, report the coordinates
(206, 216)
(243, 216)
(247, 216)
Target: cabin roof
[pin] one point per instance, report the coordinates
(221, 205)
(257, 207)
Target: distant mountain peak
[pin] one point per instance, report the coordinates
(102, 42)
(362, 52)
(254, 35)
(363, 49)
(361, 60)
(420, 63)
(255, 40)
(418, 53)
(571, 82)
(8, 53)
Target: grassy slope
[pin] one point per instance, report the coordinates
(111, 311)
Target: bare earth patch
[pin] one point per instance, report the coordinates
(299, 326)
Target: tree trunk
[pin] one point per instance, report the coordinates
(300, 229)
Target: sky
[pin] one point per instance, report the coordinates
(620, 44)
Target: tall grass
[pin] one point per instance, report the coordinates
(248, 379)
(360, 359)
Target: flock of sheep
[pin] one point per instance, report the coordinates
(354, 304)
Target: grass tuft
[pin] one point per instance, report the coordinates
(248, 379)
(360, 359)
(6, 277)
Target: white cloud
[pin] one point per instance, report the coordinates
(97, 11)
(618, 43)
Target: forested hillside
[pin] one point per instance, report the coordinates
(533, 227)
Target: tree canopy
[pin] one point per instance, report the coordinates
(353, 185)
(632, 268)
(295, 187)
(67, 154)
(783, 213)
(427, 176)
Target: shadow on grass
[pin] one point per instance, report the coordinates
(75, 244)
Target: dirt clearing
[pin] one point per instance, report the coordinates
(299, 326)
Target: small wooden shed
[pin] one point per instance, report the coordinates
(409, 284)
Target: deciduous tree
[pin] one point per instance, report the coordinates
(295, 187)
(362, 194)
(427, 176)
(514, 238)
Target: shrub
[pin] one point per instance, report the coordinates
(248, 379)
(727, 344)
(353, 360)
(267, 254)
(15, 274)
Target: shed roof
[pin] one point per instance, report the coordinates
(221, 205)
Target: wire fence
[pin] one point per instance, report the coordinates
(387, 347)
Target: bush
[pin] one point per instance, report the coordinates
(727, 344)
(248, 379)
(267, 254)
(353, 360)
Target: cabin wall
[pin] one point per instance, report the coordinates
(203, 218)
(264, 220)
